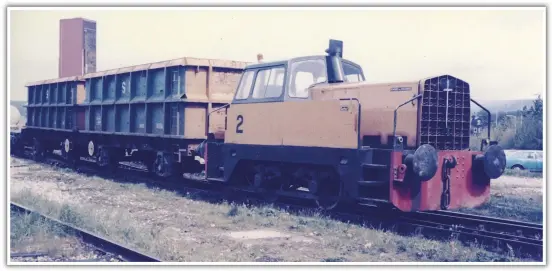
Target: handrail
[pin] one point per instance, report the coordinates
(218, 108)
(488, 118)
(395, 117)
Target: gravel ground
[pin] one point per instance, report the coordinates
(185, 228)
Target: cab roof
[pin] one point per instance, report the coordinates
(287, 61)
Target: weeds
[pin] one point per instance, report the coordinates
(511, 207)
(33, 234)
(25, 226)
(513, 198)
(522, 173)
(175, 228)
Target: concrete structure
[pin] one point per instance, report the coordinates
(77, 47)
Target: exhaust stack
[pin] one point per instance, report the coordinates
(260, 58)
(333, 62)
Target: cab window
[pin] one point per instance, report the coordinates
(269, 83)
(305, 73)
(352, 73)
(245, 85)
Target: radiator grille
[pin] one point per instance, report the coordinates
(452, 133)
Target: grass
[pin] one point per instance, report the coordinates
(109, 224)
(186, 228)
(29, 226)
(514, 197)
(338, 241)
(30, 233)
(522, 173)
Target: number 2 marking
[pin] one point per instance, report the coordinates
(240, 122)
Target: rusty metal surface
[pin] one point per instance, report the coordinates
(167, 98)
(464, 191)
(56, 80)
(184, 61)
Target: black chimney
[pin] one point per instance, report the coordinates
(333, 62)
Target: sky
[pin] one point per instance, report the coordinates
(501, 53)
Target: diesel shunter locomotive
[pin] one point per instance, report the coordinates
(308, 127)
(312, 127)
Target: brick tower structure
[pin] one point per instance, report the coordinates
(77, 47)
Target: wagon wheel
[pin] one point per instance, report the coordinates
(68, 153)
(105, 159)
(15, 145)
(37, 153)
(162, 165)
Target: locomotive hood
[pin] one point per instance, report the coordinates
(440, 116)
(378, 101)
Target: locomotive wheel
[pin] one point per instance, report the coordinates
(329, 193)
(266, 179)
(38, 152)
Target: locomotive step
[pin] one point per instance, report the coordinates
(370, 183)
(375, 166)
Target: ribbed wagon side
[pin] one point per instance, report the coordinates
(156, 113)
(53, 113)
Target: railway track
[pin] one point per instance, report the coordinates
(518, 237)
(103, 245)
(522, 238)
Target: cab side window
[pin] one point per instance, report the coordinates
(245, 85)
(269, 83)
(352, 73)
(305, 73)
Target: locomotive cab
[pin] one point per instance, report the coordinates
(288, 80)
(311, 127)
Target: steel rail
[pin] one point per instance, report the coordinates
(478, 222)
(493, 219)
(102, 244)
(505, 241)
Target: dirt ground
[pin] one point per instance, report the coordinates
(185, 228)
